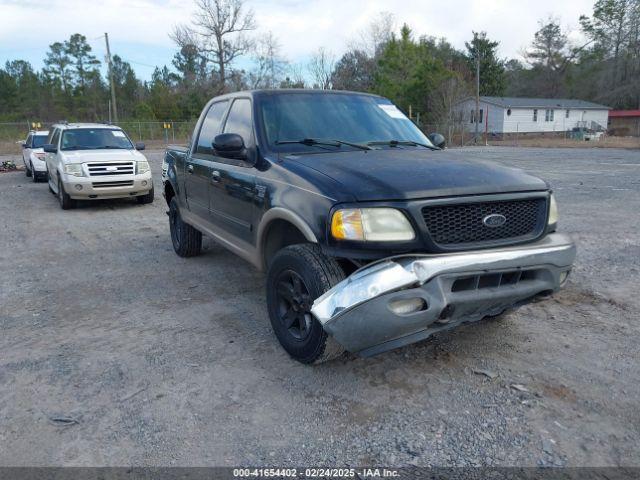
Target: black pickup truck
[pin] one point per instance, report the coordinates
(372, 235)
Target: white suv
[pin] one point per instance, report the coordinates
(88, 161)
(33, 154)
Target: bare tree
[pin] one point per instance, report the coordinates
(375, 36)
(270, 65)
(294, 77)
(218, 31)
(321, 67)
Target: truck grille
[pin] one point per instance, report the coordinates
(111, 168)
(125, 183)
(463, 223)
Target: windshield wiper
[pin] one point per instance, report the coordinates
(395, 143)
(315, 141)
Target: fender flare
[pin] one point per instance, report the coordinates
(279, 213)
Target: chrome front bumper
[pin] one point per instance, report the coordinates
(367, 312)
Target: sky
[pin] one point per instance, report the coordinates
(138, 29)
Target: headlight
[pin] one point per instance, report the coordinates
(371, 224)
(74, 169)
(142, 166)
(553, 210)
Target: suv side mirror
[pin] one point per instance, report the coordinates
(438, 140)
(24, 144)
(229, 145)
(49, 148)
(140, 146)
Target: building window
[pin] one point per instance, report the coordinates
(535, 114)
(472, 117)
(548, 115)
(566, 113)
(508, 112)
(481, 115)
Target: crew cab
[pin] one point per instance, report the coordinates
(88, 161)
(33, 154)
(372, 235)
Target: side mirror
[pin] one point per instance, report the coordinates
(49, 148)
(229, 145)
(140, 146)
(438, 140)
(24, 144)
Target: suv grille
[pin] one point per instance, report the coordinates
(463, 223)
(111, 168)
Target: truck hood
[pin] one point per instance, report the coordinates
(83, 156)
(403, 174)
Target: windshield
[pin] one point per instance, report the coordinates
(39, 141)
(333, 116)
(94, 139)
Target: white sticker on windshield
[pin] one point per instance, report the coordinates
(391, 110)
(117, 133)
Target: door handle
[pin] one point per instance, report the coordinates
(189, 168)
(215, 176)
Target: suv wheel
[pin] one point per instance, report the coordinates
(297, 276)
(27, 171)
(144, 199)
(66, 202)
(187, 241)
(34, 174)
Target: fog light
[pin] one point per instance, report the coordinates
(563, 277)
(144, 183)
(78, 186)
(407, 306)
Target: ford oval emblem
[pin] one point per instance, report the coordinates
(494, 220)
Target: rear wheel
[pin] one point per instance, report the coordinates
(66, 202)
(297, 276)
(144, 199)
(187, 241)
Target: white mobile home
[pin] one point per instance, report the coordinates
(531, 115)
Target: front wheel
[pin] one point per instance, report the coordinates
(145, 199)
(297, 276)
(187, 241)
(66, 202)
(28, 171)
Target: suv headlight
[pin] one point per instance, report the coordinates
(74, 169)
(371, 224)
(553, 210)
(142, 166)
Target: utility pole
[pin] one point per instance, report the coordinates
(477, 115)
(113, 87)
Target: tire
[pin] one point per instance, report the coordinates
(297, 276)
(48, 177)
(34, 174)
(66, 202)
(145, 199)
(28, 172)
(187, 241)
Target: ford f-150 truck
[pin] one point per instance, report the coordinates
(372, 235)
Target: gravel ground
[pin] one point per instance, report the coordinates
(115, 351)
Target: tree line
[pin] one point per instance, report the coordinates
(421, 74)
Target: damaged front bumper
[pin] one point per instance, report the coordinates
(404, 299)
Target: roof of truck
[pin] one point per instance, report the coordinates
(86, 125)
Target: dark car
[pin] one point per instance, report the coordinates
(372, 237)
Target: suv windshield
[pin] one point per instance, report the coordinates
(94, 139)
(39, 141)
(354, 118)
